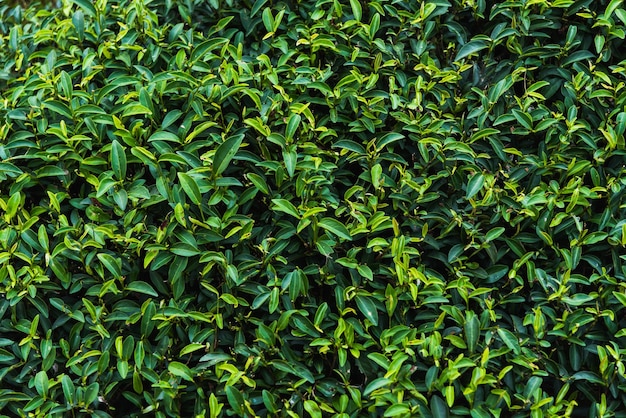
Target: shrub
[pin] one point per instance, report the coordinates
(341, 208)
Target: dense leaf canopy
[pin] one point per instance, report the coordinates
(296, 208)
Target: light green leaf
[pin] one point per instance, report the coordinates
(134, 108)
(285, 206)
(180, 370)
(312, 408)
(13, 205)
(357, 10)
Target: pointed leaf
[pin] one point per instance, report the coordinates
(142, 287)
(225, 152)
(286, 206)
(367, 308)
(335, 227)
(118, 160)
(112, 264)
(510, 340)
(357, 10)
(180, 370)
(470, 48)
(474, 185)
(190, 187)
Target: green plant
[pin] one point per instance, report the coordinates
(277, 208)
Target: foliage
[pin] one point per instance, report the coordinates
(332, 208)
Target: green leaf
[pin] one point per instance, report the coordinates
(112, 264)
(66, 84)
(190, 187)
(367, 308)
(50, 171)
(91, 393)
(510, 340)
(235, 399)
(225, 152)
(190, 348)
(164, 136)
(590, 377)
(259, 182)
(78, 19)
(399, 409)
(376, 384)
(335, 227)
(312, 408)
(494, 233)
(524, 119)
(376, 172)
(285, 206)
(439, 407)
(142, 287)
(387, 139)
(483, 133)
(118, 160)
(180, 370)
(268, 19)
(258, 4)
(356, 9)
(135, 108)
(58, 107)
(87, 6)
(471, 328)
(474, 185)
(470, 48)
(290, 156)
(350, 146)
(69, 390)
(13, 205)
(292, 126)
(209, 45)
(614, 4)
(41, 383)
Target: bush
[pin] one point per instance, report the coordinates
(341, 208)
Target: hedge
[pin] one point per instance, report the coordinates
(294, 208)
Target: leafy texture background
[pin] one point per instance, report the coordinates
(331, 208)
